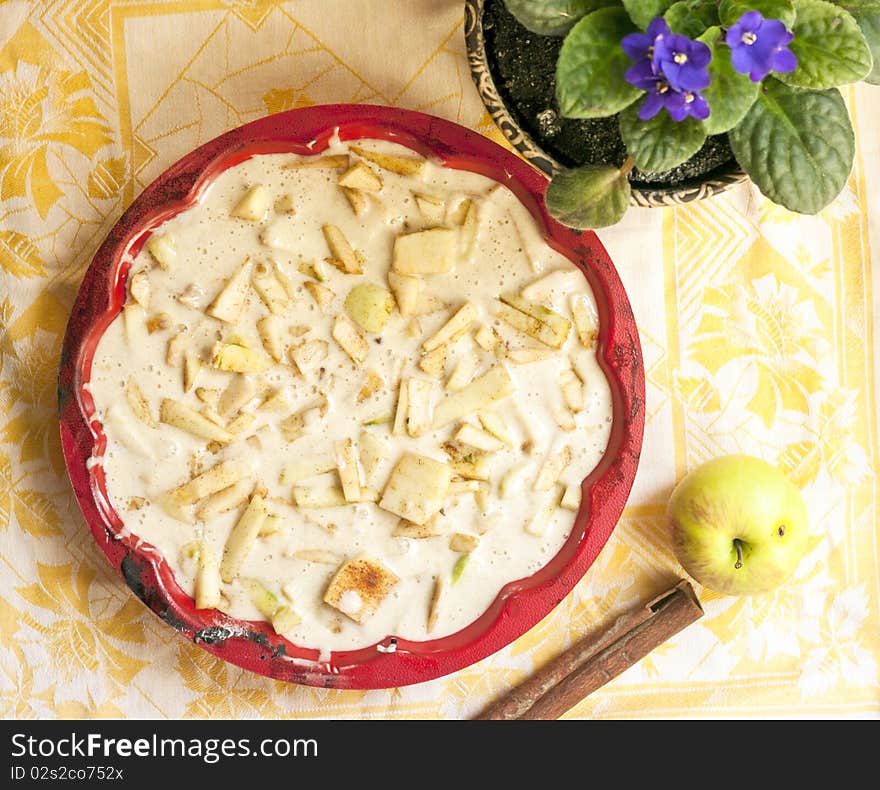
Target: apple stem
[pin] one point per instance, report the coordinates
(739, 553)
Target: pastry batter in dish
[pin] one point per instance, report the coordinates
(353, 394)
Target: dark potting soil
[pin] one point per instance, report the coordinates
(523, 66)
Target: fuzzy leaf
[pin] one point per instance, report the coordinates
(593, 196)
(730, 94)
(691, 18)
(591, 65)
(797, 146)
(867, 16)
(552, 17)
(731, 10)
(829, 46)
(643, 11)
(660, 143)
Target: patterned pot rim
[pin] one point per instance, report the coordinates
(541, 159)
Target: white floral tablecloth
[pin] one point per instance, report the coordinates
(757, 328)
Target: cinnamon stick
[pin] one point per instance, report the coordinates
(596, 659)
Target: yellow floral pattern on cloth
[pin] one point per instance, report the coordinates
(756, 328)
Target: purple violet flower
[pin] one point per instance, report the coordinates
(672, 68)
(759, 46)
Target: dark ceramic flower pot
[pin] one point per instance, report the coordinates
(486, 80)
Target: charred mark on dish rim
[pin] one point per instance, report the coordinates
(212, 635)
(133, 572)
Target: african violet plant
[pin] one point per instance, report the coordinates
(765, 72)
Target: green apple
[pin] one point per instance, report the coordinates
(739, 525)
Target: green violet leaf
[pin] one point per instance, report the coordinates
(591, 65)
(730, 94)
(797, 146)
(692, 17)
(731, 10)
(552, 17)
(867, 16)
(829, 46)
(660, 143)
(643, 11)
(592, 196)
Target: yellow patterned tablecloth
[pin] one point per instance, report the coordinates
(756, 325)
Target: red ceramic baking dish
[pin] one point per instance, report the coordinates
(254, 645)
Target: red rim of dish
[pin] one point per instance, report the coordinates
(254, 645)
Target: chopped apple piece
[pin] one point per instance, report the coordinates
(253, 205)
(224, 500)
(458, 211)
(492, 386)
(495, 424)
(434, 362)
(281, 234)
(159, 322)
(560, 281)
(370, 306)
(306, 468)
(474, 437)
(485, 338)
(463, 372)
(347, 467)
(359, 587)
(539, 522)
(285, 204)
(269, 329)
(462, 485)
(429, 251)
(207, 579)
(330, 162)
(418, 414)
(139, 288)
(139, 404)
(357, 200)
(553, 466)
(284, 620)
(467, 462)
(454, 328)
(308, 356)
(134, 319)
(344, 256)
(229, 303)
(563, 418)
(240, 391)
(414, 328)
(265, 601)
(395, 163)
(572, 390)
(191, 296)
(208, 395)
(586, 323)
(275, 401)
(192, 364)
(528, 354)
(469, 229)
(463, 543)
(483, 498)
(432, 209)
(571, 499)
(407, 292)
(175, 348)
(186, 419)
(322, 295)
(434, 605)
(218, 477)
(318, 497)
(417, 488)
(373, 383)
(163, 249)
(535, 320)
(372, 452)
(433, 527)
(241, 423)
(313, 269)
(402, 410)
(236, 358)
(513, 479)
(270, 289)
(350, 340)
(320, 556)
(360, 176)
